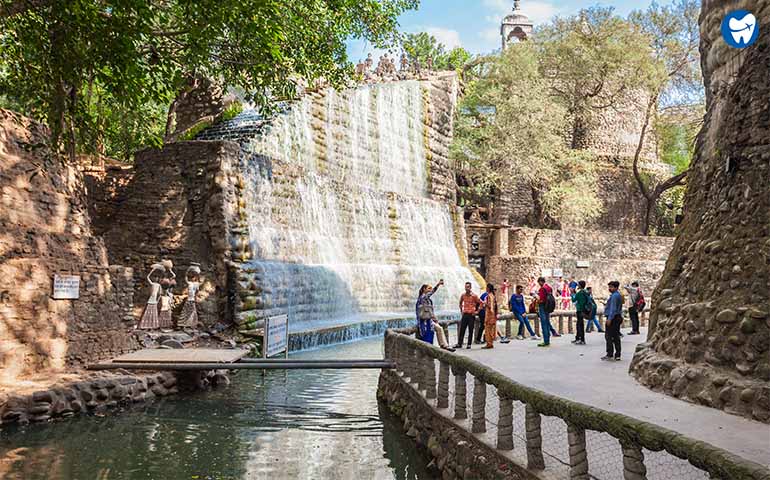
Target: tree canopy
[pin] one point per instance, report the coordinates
(423, 48)
(510, 129)
(595, 61)
(58, 56)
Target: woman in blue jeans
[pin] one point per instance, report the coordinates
(592, 320)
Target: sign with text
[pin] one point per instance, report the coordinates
(66, 287)
(276, 335)
(558, 272)
(583, 264)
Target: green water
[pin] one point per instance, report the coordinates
(303, 424)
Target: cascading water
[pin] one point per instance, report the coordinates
(339, 214)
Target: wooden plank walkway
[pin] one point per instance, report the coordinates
(182, 355)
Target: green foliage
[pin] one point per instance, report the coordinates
(594, 61)
(509, 128)
(138, 52)
(232, 111)
(669, 205)
(193, 131)
(675, 136)
(420, 48)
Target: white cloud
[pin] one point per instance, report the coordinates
(450, 38)
(490, 34)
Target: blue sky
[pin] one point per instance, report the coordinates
(474, 24)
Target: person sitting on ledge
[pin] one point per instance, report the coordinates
(427, 324)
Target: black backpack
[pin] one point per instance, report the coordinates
(550, 303)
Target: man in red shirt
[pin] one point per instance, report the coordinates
(469, 308)
(543, 313)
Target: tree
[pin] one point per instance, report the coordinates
(509, 128)
(673, 31)
(423, 49)
(139, 52)
(595, 61)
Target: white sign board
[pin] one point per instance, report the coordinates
(276, 335)
(545, 273)
(557, 272)
(66, 287)
(583, 264)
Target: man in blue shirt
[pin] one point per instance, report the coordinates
(519, 309)
(481, 317)
(613, 310)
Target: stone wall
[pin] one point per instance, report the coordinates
(45, 230)
(622, 202)
(710, 329)
(611, 256)
(200, 100)
(179, 205)
(105, 184)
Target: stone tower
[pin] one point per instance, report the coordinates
(516, 26)
(709, 338)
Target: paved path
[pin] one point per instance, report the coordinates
(577, 373)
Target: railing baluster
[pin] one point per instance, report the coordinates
(443, 385)
(578, 458)
(505, 424)
(419, 365)
(429, 375)
(633, 463)
(561, 324)
(535, 460)
(461, 409)
(479, 406)
(536, 322)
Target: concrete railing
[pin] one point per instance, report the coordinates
(559, 436)
(565, 321)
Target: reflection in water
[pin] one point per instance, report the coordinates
(283, 424)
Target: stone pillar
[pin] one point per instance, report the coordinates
(479, 406)
(536, 324)
(508, 326)
(710, 309)
(505, 424)
(429, 374)
(578, 458)
(461, 409)
(633, 463)
(535, 460)
(443, 385)
(500, 243)
(419, 370)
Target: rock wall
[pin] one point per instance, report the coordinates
(180, 205)
(45, 230)
(710, 329)
(611, 256)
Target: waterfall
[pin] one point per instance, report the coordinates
(341, 220)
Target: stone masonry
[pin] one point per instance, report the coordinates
(709, 339)
(46, 230)
(179, 205)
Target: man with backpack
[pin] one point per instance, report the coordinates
(582, 310)
(636, 305)
(546, 306)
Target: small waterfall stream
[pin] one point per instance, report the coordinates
(341, 222)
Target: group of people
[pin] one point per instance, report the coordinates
(544, 302)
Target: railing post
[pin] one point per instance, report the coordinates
(446, 334)
(536, 322)
(443, 385)
(561, 324)
(505, 424)
(535, 460)
(429, 375)
(461, 409)
(578, 458)
(479, 406)
(508, 325)
(633, 463)
(569, 324)
(419, 369)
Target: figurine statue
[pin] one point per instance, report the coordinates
(190, 311)
(166, 300)
(149, 319)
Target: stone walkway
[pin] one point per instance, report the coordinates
(577, 373)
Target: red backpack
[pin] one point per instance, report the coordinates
(640, 303)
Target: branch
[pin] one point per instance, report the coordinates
(637, 154)
(672, 182)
